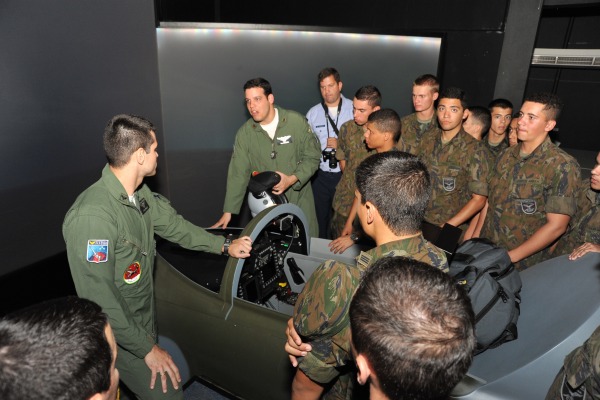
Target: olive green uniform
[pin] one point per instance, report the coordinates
(579, 378)
(413, 131)
(297, 152)
(111, 249)
(321, 312)
(458, 169)
(352, 149)
(585, 226)
(523, 189)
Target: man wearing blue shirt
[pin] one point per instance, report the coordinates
(325, 120)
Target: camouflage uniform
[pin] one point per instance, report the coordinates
(523, 190)
(321, 312)
(494, 150)
(458, 169)
(352, 148)
(579, 378)
(585, 226)
(413, 131)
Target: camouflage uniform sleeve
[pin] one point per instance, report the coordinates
(479, 169)
(562, 196)
(321, 319)
(342, 148)
(581, 370)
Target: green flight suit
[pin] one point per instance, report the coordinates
(298, 152)
(111, 249)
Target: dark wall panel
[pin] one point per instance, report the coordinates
(474, 28)
(66, 68)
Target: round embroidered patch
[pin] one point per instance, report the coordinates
(132, 273)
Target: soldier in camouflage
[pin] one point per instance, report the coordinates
(321, 312)
(478, 121)
(532, 188)
(351, 151)
(424, 94)
(413, 330)
(382, 132)
(495, 141)
(584, 235)
(579, 378)
(458, 165)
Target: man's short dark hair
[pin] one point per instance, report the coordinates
(398, 184)
(387, 120)
(123, 135)
(370, 94)
(259, 83)
(327, 72)
(428, 80)
(55, 350)
(482, 116)
(455, 93)
(552, 103)
(415, 326)
(500, 103)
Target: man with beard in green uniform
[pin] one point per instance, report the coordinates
(532, 188)
(273, 139)
(393, 189)
(109, 232)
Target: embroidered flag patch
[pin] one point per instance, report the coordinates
(97, 251)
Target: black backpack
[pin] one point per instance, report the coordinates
(493, 285)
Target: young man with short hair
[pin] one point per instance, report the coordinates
(478, 121)
(325, 120)
(532, 187)
(425, 92)
(392, 190)
(110, 233)
(501, 111)
(382, 132)
(458, 165)
(60, 349)
(351, 151)
(413, 330)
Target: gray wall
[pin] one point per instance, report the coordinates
(66, 67)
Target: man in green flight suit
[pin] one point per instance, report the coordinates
(393, 189)
(277, 140)
(109, 233)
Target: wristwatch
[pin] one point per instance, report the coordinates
(354, 236)
(226, 245)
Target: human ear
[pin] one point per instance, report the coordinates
(364, 370)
